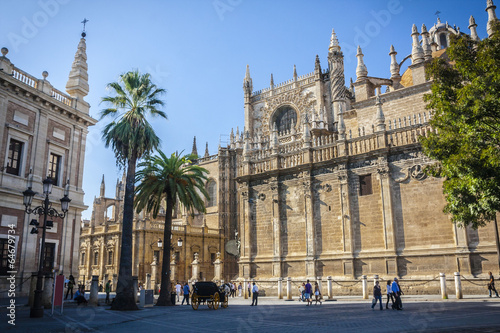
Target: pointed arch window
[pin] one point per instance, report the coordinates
(284, 117)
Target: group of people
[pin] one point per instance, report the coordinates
(393, 292)
(306, 292)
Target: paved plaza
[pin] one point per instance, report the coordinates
(346, 314)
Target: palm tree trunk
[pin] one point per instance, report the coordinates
(166, 285)
(125, 290)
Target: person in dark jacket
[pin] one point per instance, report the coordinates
(491, 285)
(377, 295)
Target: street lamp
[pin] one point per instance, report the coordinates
(46, 210)
(159, 243)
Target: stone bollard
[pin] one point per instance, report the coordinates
(31, 298)
(458, 286)
(48, 286)
(320, 285)
(135, 286)
(280, 288)
(114, 282)
(330, 291)
(245, 288)
(365, 287)
(148, 281)
(288, 288)
(375, 279)
(442, 277)
(94, 291)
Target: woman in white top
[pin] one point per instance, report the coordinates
(389, 294)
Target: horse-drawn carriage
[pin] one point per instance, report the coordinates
(208, 293)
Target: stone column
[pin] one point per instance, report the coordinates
(330, 291)
(288, 288)
(309, 232)
(245, 288)
(280, 288)
(195, 268)
(94, 291)
(458, 286)
(346, 223)
(31, 297)
(442, 278)
(173, 268)
(365, 287)
(148, 281)
(135, 285)
(388, 222)
(276, 234)
(320, 284)
(48, 286)
(217, 268)
(153, 273)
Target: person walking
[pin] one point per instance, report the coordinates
(178, 288)
(302, 288)
(108, 290)
(240, 288)
(398, 305)
(249, 289)
(317, 294)
(491, 285)
(307, 293)
(377, 295)
(255, 294)
(389, 295)
(70, 284)
(186, 294)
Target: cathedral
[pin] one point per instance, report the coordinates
(326, 181)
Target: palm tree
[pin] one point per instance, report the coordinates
(169, 179)
(131, 136)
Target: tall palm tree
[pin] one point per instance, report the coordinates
(130, 136)
(169, 179)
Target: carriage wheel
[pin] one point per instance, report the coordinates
(195, 302)
(226, 301)
(216, 301)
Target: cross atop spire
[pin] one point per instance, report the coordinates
(83, 31)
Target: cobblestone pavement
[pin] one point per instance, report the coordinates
(420, 314)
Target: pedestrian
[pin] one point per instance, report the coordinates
(178, 288)
(389, 295)
(70, 284)
(233, 290)
(491, 285)
(302, 288)
(240, 288)
(249, 289)
(317, 294)
(100, 288)
(377, 295)
(80, 296)
(307, 293)
(398, 305)
(108, 290)
(255, 294)
(186, 294)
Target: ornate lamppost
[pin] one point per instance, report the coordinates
(46, 210)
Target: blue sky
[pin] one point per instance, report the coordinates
(198, 49)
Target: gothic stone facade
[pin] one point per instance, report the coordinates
(42, 132)
(330, 179)
(202, 234)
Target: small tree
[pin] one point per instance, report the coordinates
(131, 136)
(169, 179)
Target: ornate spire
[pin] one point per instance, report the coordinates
(247, 81)
(426, 46)
(334, 43)
(417, 53)
(472, 28)
(394, 64)
(361, 71)
(492, 17)
(206, 151)
(78, 85)
(103, 188)
(294, 73)
(317, 65)
(194, 151)
(272, 81)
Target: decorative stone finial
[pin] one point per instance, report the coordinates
(379, 116)
(45, 74)
(78, 85)
(394, 65)
(294, 73)
(5, 51)
(361, 71)
(334, 43)
(417, 53)
(341, 124)
(272, 80)
(473, 29)
(207, 154)
(426, 46)
(317, 65)
(194, 150)
(492, 17)
(247, 81)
